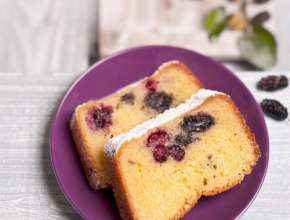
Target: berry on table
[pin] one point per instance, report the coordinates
(274, 109)
(273, 83)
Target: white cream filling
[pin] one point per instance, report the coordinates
(197, 99)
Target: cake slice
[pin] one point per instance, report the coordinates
(164, 165)
(94, 122)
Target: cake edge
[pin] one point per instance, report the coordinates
(119, 189)
(256, 152)
(84, 156)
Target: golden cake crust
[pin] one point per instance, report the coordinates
(79, 132)
(127, 211)
(185, 69)
(85, 156)
(251, 137)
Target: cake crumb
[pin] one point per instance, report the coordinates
(205, 181)
(131, 162)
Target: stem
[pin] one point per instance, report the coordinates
(243, 7)
(244, 12)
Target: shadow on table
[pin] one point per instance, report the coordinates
(240, 65)
(63, 207)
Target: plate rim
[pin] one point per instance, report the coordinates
(75, 82)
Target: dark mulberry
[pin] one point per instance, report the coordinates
(99, 117)
(272, 83)
(261, 17)
(184, 139)
(159, 101)
(260, 1)
(160, 153)
(274, 109)
(176, 152)
(128, 98)
(197, 123)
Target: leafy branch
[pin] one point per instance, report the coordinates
(257, 45)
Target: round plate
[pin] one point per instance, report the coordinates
(122, 69)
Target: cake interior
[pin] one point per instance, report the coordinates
(129, 109)
(215, 160)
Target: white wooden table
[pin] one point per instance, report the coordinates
(56, 35)
(28, 189)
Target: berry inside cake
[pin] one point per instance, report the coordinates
(164, 165)
(95, 122)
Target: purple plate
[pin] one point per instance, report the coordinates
(122, 69)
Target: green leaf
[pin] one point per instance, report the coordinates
(216, 22)
(259, 47)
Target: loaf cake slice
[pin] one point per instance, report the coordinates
(164, 165)
(94, 122)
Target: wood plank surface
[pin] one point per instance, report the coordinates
(47, 35)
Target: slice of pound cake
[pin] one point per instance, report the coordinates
(95, 122)
(164, 165)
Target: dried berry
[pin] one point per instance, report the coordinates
(197, 123)
(151, 85)
(260, 1)
(99, 117)
(261, 17)
(160, 153)
(159, 137)
(176, 152)
(184, 139)
(274, 109)
(272, 83)
(159, 101)
(128, 98)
